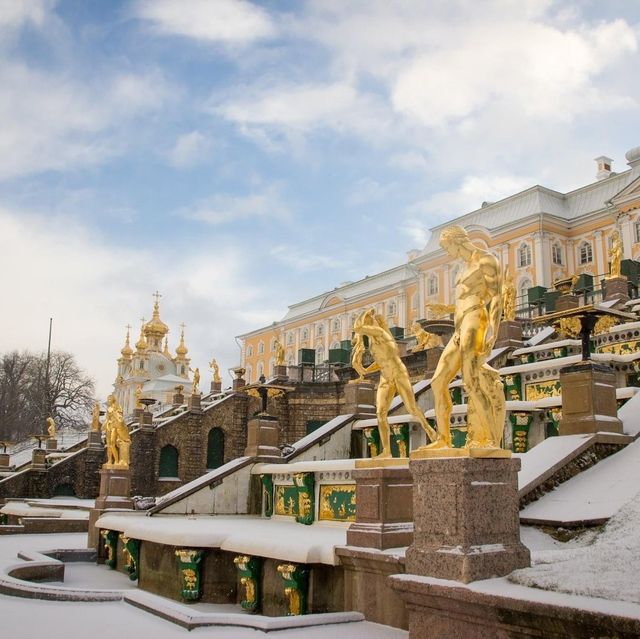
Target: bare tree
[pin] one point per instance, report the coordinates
(28, 396)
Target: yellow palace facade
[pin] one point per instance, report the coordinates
(542, 235)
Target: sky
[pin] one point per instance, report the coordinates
(242, 156)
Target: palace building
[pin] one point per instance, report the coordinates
(151, 367)
(541, 234)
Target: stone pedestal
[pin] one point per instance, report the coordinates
(280, 372)
(178, 399)
(137, 414)
(52, 444)
(616, 288)
(194, 403)
(359, 398)
(263, 432)
(588, 399)
(94, 440)
(433, 357)
(567, 301)
(384, 508)
(115, 488)
(466, 524)
(145, 420)
(509, 334)
(5, 461)
(38, 458)
(216, 387)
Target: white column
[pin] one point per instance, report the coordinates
(601, 265)
(402, 309)
(626, 234)
(446, 284)
(421, 297)
(570, 257)
(538, 260)
(504, 255)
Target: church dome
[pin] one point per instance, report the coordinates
(155, 326)
(181, 349)
(633, 155)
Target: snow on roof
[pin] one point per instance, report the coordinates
(318, 465)
(275, 538)
(540, 336)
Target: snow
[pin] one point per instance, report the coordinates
(101, 620)
(629, 414)
(277, 538)
(547, 346)
(595, 494)
(323, 465)
(540, 336)
(320, 433)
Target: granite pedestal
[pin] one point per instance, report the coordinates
(509, 334)
(567, 301)
(384, 512)
(146, 420)
(94, 440)
(588, 399)
(466, 524)
(616, 288)
(359, 398)
(52, 444)
(194, 403)
(178, 399)
(38, 458)
(263, 437)
(115, 490)
(5, 461)
(433, 357)
(216, 387)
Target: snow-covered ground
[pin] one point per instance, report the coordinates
(77, 620)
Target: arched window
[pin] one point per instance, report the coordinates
(261, 348)
(335, 344)
(64, 490)
(260, 369)
(273, 344)
(523, 290)
(250, 351)
(319, 354)
(586, 253)
(248, 374)
(305, 334)
(556, 254)
(391, 308)
(636, 232)
(319, 329)
(290, 360)
(168, 461)
(432, 285)
(336, 325)
(272, 364)
(289, 338)
(524, 255)
(415, 300)
(215, 448)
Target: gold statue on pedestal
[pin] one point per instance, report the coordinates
(279, 353)
(394, 377)
(117, 436)
(51, 427)
(215, 370)
(95, 418)
(138, 394)
(615, 254)
(508, 297)
(424, 339)
(477, 314)
(196, 381)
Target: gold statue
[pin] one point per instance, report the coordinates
(476, 319)
(215, 370)
(438, 311)
(508, 297)
(51, 427)
(95, 417)
(424, 339)
(279, 353)
(196, 381)
(393, 375)
(615, 254)
(138, 394)
(357, 351)
(117, 435)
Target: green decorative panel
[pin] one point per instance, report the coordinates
(267, 494)
(286, 500)
(456, 395)
(400, 440)
(339, 356)
(337, 502)
(397, 332)
(110, 538)
(305, 483)
(513, 387)
(520, 423)
(189, 563)
(306, 356)
(3, 519)
(459, 436)
(372, 436)
(296, 587)
(560, 351)
(540, 390)
(249, 571)
(621, 348)
(131, 549)
(552, 428)
(535, 295)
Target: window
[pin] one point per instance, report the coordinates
(168, 461)
(215, 448)
(524, 255)
(586, 253)
(260, 369)
(305, 334)
(336, 325)
(289, 338)
(249, 351)
(523, 290)
(335, 344)
(141, 364)
(320, 329)
(432, 285)
(636, 230)
(414, 301)
(319, 354)
(261, 348)
(556, 254)
(273, 344)
(391, 309)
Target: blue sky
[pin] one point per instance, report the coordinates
(241, 156)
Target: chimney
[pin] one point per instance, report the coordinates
(604, 167)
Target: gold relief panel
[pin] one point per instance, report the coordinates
(286, 498)
(540, 390)
(337, 502)
(621, 348)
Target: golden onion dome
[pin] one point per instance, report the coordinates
(127, 351)
(155, 326)
(141, 344)
(181, 349)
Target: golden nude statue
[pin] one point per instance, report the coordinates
(615, 254)
(51, 427)
(279, 353)
(215, 370)
(95, 417)
(138, 394)
(196, 381)
(394, 377)
(117, 435)
(424, 339)
(508, 297)
(477, 314)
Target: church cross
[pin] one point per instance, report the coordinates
(157, 296)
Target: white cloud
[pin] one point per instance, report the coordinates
(52, 121)
(409, 161)
(304, 260)
(189, 149)
(15, 14)
(367, 190)
(225, 208)
(225, 21)
(92, 289)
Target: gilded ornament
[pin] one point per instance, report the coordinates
(215, 370)
(615, 254)
(51, 427)
(604, 324)
(279, 353)
(439, 311)
(195, 386)
(95, 418)
(424, 339)
(117, 435)
(508, 297)
(570, 326)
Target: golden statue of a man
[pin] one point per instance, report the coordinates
(215, 370)
(138, 394)
(117, 435)
(478, 308)
(95, 417)
(51, 427)
(615, 254)
(394, 377)
(279, 353)
(424, 339)
(508, 297)
(196, 381)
